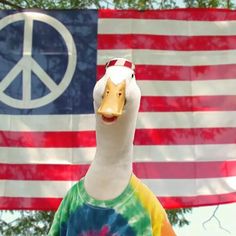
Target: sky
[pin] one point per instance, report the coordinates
(226, 215)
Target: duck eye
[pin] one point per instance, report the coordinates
(107, 92)
(132, 76)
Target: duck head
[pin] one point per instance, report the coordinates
(116, 90)
(116, 103)
(113, 101)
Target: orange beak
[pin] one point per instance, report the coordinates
(113, 100)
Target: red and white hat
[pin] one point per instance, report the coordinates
(120, 62)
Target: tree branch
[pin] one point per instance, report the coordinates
(216, 218)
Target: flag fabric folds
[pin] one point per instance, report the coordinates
(185, 141)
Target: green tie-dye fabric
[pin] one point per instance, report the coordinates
(81, 215)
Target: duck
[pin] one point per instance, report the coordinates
(116, 103)
(110, 199)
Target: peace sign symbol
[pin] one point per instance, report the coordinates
(26, 65)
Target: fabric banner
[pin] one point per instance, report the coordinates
(185, 141)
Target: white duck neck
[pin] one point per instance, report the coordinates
(115, 141)
(110, 171)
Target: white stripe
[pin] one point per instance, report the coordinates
(36, 189)
(166, 27)
(165, 57)
(191, 187)
(187, 88)
(145, 120)
(185, 153)
(47, 122)
(174, 120)
(46, 155)
(167, 187)
(153, 153)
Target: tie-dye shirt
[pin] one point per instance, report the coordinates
(136, 212)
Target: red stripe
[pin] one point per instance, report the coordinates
(194, 14)
(42, 172)
(20, 203)
(163, 42)
(150, 170)
(184, 170)
(142, 137)
(187, 104)
(185, 136)
(100, 71)
(196, 201)
(47, 139)
(181, 73)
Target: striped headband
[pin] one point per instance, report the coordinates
(120, 62)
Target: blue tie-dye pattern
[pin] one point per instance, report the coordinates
(90, 219)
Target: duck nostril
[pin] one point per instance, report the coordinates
(108, 115)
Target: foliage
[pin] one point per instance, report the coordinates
(144, 4)
(47, 4)
(177, 216)
(31, 223)
(209, 3)
(117, 4)
(73, 4)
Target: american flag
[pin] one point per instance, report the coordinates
(185, 141)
